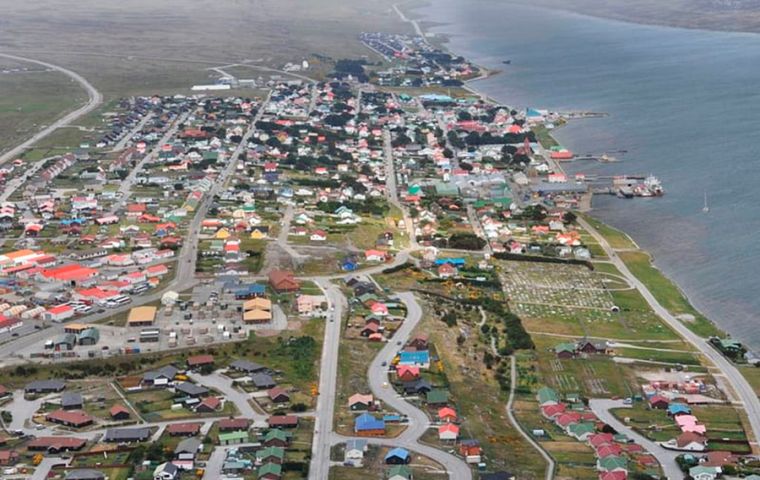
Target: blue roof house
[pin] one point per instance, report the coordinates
(397, 456)
(419, 359)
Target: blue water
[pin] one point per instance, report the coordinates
(683, 103)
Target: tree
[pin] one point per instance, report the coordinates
(569, 218)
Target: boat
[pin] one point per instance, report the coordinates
(706, 208)
(507, 62)
(654, 185)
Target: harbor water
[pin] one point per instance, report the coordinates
(683, 104)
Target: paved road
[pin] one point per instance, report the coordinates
(128, 136)
(223, 384)
(323, 426)
(749, 400)
(125, 188)
(391, 189)
(378, 380)
(550, 465)
(94, 100)
(667, 458)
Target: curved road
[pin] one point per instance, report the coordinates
(418, 424)
(95, 99)
(741, 387)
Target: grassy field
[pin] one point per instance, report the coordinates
(31, 100)
(479, 400)
(667, 293)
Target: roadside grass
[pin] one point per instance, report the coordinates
(355, 356)
(616, 238)
(667, 293)
(683, 358)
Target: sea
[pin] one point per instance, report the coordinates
(683, 104)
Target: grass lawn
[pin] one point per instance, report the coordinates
(355, 356)
(616, 238)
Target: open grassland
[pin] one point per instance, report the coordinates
(32, 99)
(142, 46)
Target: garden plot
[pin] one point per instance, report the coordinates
(566, 286)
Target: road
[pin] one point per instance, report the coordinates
(323, 425)
(223, 384)
(95, 98)
(391, 189)
(324, 437)
(125, 188)
(667, 458)
(550, 465)
(128, 136)
(749, 400)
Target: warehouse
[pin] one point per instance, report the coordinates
(141, 316)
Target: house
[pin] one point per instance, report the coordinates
(69, 418)
(565, 350)
(283, 281)
(8, 457)
(71, 401)
(448, 431)
(687, 441)
(44, 386)
(397, 456)
(208, 405)
(269, 471)
(282, 421)
(659, 402)
(581, 431)
(200, 361)
(119, 412)
(247, 366)
(127, 435)
(701, 472)
(191, 390)
(56, 444)
(278, 395)
(263, 381)
(160, 377)
(85, 474)
(437, 397)
(407, 373)
(677, 409)
(187, 449)
(233, 424)
(612, 464)
(166, 471)
(233, 438)
(367, 425)
(270, 455)
(447, 414)
(418, 386)
(187, 429)
(354, 451)
(277, 438)
(419, 358)
(446, 271)
(399, 472)
(547, 396)
(374, 255)
(360, 402)
(318, 236)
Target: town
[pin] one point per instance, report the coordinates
(359, 276)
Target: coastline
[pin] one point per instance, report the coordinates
(708, 325)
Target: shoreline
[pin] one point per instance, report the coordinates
(487, 73)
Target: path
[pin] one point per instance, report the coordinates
(94, 100)
(667, 458)
(741, 387)
(550, 465)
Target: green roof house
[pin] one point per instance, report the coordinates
(547, 396)
(269, 471)
(581, 431)
(437, 396)
(233, 438)
(399, 472)
(612, 464)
